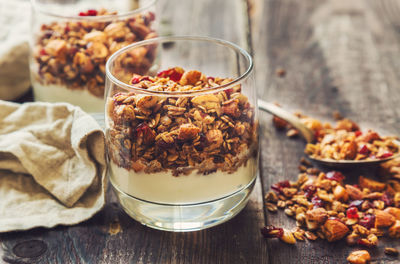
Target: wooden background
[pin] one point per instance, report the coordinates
(338, 55)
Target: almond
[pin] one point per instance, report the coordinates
(188, 131)
(393, 211)
(334, 230)
(374, 186)
(354, 193)
(383, 219)
(394, 230)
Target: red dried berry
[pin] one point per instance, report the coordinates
(67, 29)
(356, 203)
(278, 187)
(83, 14)
(358, 133)
(42, 52)
(335, 176)
(317, 134)
(135, 80)
(368, 221)
(364, 150)
(386, 155)
(309, 191)
(352, 213)
(387, 199)
(272, 231)
(92, 12)
(317, 202)
(228, 92)
(143, 130)
(172, 73)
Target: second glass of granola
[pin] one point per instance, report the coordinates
(182, 138)
(72, 40)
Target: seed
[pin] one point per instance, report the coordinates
(310, 236)
(288, 237)
(271, 197)
(271, 207)
(391, 251)
(289, 212)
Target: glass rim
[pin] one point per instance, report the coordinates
(218, 88)
(35, 6)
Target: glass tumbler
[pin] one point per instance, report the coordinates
(182, 137)
(71, 41)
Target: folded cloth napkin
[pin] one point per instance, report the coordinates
(52, 165)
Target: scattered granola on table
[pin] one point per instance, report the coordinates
(74, 53)
(324, 207)
(344, 141)
(206, 132)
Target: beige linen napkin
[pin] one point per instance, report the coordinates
(52, 165)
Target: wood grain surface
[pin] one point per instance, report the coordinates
(338, 55)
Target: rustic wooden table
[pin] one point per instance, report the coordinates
(338, 55)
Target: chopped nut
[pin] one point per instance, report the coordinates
(281, 204)
(288, 212)
(334, 230)
(288, 237)
(393, 211)
(279, 123)
(340, 193)
(271, 207)
(394, 230)
(353, 192)
(190, 78)
(271, 197)
(359, 257)
(391, 251)
(310, 236)
(292, 133)
(315, 218)
(188, 131)
(371, 184)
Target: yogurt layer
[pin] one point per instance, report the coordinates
(59, 93)
(163, 187)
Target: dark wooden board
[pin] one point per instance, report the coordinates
(111, 236)
(338, 55)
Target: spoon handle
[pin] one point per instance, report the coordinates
(288, 117)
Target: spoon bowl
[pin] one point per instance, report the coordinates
(308, 135)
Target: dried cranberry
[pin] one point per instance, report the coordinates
(386, 155)
(272, 231)
(309, 191)
(229, 92)
(92, 12)
(317, 202)
(352, 213)
(364, 150)
(358, 133)
(83, 14)
(368, 221)
(278, 187)
(387, 199)
(356, 203)
(143, 130)
(67, 29)
(210, 78)
(135, 80)
(172, 73)
(317, 134)
(43, 52)
(335, 176)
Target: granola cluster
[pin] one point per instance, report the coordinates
(325, 207)
(74, 53)
(206, 132)
(344, 141)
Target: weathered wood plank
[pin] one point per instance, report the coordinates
(338, 55)
(111, 236)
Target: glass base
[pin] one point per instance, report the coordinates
(183, 218)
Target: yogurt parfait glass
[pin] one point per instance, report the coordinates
(71, 41)
(182, 138)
